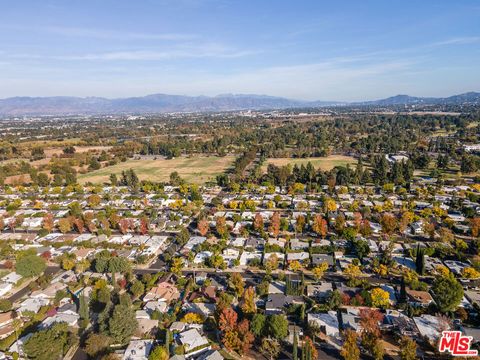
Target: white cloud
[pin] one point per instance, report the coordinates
(329, 80)
(458, 41)
(181, 51)
(115, 34)
(149, 55)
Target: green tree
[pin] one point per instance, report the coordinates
(30, 266)
(335, 299)
(236, 283)
(94, 164)
(420, 260)
(137, 289)
(447, 292)
(378, 351)
(468, 164)
(295, 345)
(309, 352)
(122, 323)
(257, 326)
(118, 264)
(167, 342)
(403, 292)
(408, 348)
(176, 265)
(159, 353)
(5, 305)
(48, 344)
(97, 345)
(216, 261)
(113, 179)
(43, 179)
(277, 326)
(83, 311)
(361, 249)
(270, 347)
(175, 179)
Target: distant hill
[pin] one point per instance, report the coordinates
(466, 98)
(162, 103)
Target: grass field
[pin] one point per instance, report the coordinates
(198, 169)
(324, 163)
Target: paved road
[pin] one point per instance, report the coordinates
(50, 270)
(80, 355)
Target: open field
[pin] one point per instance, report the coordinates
(198, 169)
(50, 152)
(50, 143)
(324, 163)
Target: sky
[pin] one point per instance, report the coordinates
(309, 50)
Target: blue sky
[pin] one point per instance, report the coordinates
(313, 50)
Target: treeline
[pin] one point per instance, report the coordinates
(243, 161)
(360, 134)
(382, 172)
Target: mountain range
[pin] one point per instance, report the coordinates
(163, 103)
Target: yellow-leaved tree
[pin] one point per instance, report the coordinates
(380, 298)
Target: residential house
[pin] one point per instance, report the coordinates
(177, 326)
(32, 305)
(318, 259)
(328, 323)
(193, 342)
(49, 292)
(430, 327)
(12, 278)
(400, 323)
(164, 291)
(298, 256)
(247, 257)
(6, 324)
(210, 355)
(204, 309)
(138, 350)
(276, 303)
(5, 288)
(156, 305)
(455, 267)
(146, 326)
(350, 318)
(419, 298)
(320, 291)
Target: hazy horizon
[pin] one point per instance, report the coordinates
(236, 94)
(308, 50)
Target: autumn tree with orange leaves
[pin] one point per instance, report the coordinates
(144, 225)
(124, 226)
(79, 225)
(48, 222)
(475, 224)
(389, 223)
(221, 226)
(274, 227)
(258, 222)
(88, 221)
(357, 220)
(320, 225)
(203, 226)
(369, 322)
(235, 335)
